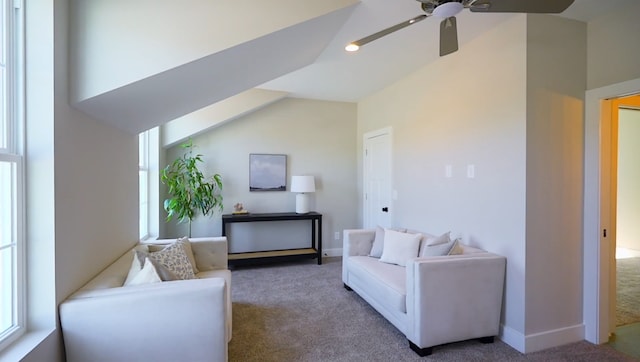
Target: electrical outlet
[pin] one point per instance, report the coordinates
(336, 235)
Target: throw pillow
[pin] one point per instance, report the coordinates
(164, 273)
(378, 241)
(187, 248)
(174, 258)
(145, 275)
(439, 249)
(457, 249)
(450, 248)
(135, 268)
(444, 238)
(399, 247)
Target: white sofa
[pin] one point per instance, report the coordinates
(180, 320)
(432, 300)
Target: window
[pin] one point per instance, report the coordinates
(11, 181)
(143, 181)
(149, 180)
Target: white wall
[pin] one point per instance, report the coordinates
(153, 36)
(96, 185)
(318, 139)
(518, 121)
(468, 108)
(628, 214)
(556, 80)
(84, 172)
(613, 49)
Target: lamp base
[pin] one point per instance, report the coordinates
(302, 203)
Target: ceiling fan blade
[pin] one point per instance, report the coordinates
(520, 6)
(360, 42)
(448, 36)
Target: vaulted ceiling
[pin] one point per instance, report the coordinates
(143, 63)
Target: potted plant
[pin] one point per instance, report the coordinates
(190, 192)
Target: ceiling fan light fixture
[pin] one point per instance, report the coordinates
(448, 10)
(352, 47)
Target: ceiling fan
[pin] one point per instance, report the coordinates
(448, 9)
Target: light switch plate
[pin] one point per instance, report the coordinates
(471, 171)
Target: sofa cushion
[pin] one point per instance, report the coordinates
(399, 247)
(218, 273)
(384, 282)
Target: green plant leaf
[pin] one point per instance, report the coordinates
(190, 192)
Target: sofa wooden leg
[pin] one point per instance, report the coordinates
(422, 352)
(486, 340)
(347, 287)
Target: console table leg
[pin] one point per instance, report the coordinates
(320, 240)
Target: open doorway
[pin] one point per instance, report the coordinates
(625, 126)
(600, 208)
(625, 318)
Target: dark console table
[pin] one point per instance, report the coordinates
(314, 251)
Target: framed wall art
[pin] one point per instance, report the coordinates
(267, 172)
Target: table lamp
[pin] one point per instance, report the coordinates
(302, 185)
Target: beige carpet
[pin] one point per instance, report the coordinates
(627, 291)
(301, 312)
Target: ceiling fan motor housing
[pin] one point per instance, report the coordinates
(448, 9)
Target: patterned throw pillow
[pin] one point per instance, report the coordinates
(163, 272)
(189, 251)
(174, 258)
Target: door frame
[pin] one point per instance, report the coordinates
(597, 251)
(365, 137)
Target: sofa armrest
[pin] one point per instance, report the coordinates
(177, 320)
(357, 241)
(454, 298)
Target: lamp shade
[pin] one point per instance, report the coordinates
(303, 184)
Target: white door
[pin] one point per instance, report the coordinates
(377, 208)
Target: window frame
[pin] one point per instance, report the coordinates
(144, 167)
(12, 152)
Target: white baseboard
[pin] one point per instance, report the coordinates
(513, 338)
(332, 252)
(543, 340)
(553, 338)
